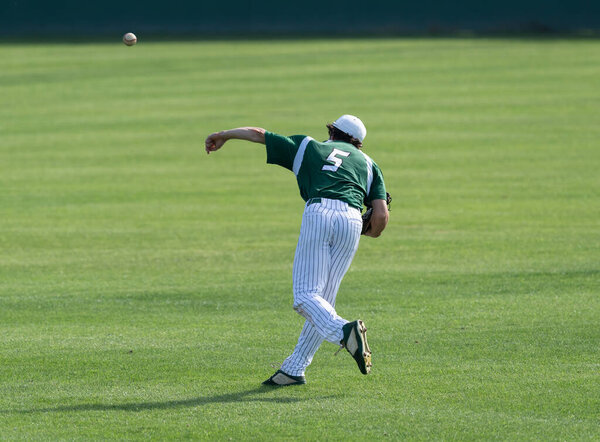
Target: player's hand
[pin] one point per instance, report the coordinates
(214, 142)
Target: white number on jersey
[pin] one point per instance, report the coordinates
(335, 160)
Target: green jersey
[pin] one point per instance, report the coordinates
(332, 169)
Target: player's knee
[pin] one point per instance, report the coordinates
(298, 303)
(301, 298)
(298, 308)
(304, 301)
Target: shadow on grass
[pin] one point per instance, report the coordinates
(241, 396)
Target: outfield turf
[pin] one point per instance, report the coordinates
(145, 288)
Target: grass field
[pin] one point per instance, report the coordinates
(145, 288)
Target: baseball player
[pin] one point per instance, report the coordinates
(335, 178)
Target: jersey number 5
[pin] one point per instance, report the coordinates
(335, 160)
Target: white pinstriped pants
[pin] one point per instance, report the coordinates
(328, 240)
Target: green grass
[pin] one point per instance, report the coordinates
(145, 288)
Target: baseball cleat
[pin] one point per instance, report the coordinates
(281, 379)
(355, 341)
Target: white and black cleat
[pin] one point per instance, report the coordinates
(281, 379)
(355, 341)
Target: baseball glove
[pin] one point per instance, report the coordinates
(366, 217)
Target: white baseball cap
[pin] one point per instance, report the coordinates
(352, 126)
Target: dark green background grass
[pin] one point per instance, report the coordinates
(145, 288)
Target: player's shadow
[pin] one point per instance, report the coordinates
(253, 395)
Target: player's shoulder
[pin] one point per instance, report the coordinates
(275, 135)
(339, 145)
(298, 139)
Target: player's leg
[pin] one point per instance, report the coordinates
(311, 272)
(308, 344)
(342, 249)
(310, 340)
(346, 232)
(311, 269)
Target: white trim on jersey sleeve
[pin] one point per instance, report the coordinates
(369, 171)
(300, 155)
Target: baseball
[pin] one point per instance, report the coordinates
(129, 39)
